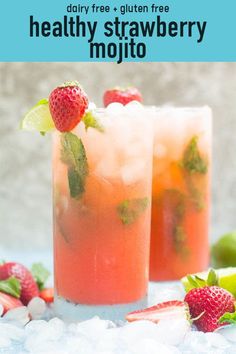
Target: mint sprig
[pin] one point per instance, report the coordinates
(11, 286)
(90, 121)
(130, 209)
(40, 274)
(192, 161)
(74, 156)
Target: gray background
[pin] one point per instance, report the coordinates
(25, 171)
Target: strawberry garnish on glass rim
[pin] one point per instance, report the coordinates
(122, 95)
(64, 109)
(163, 311)
(67, 104)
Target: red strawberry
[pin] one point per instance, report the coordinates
(9, 302)
(123, 96)
(67, 104)
(210, 303)
(165, 310)
(29, 288)
(47, 295)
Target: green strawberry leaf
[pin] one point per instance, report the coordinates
(130, 209)
(11, 286)
(192, 281)
(90, 121)
(40, 274)
(228, 318)
(74, 156)
(212, 278)
(192, 161)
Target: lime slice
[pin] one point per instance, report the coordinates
(226, 278)
(38, 118)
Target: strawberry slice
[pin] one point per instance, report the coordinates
(47, 295)
(165, 310)
(9, 302)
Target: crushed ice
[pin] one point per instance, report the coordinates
(46, 334)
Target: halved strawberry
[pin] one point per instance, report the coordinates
(9, 302)
(165, 310)
(47, 295)
(29, 288)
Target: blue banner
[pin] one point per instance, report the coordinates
(120, 31)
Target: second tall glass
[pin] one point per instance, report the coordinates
(181, 192)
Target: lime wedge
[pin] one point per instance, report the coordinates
(226, 278)
(38, 118)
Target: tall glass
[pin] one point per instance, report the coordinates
(181, 192)
(102, 207)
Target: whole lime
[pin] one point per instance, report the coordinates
(223, 252)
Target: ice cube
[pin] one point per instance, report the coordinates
(172, 332)
(35, 326)
(217, 340)
(151, 346)
(135, 330)
(36, 308)
(115, 109)
(159, 150)
(19, 314)
(133, 171)
(4, 342)
(229, 332)
(93, 328)
(11, 332)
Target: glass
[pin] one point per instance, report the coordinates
(102, 213)
(181, 192)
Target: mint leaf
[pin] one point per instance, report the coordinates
(90, 121)
(130, 209)
(40, 274)
(192, 161)
(228, 318)
(173, 202)
(11, 286)
(74, 156)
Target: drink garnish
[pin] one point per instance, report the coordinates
(38, 118)
(90, 121)
(40, 274)
(74, 156)
(173, 201)
(122, 95)
(11, 286)
(67, 104)
(192, 161)
(130, 209)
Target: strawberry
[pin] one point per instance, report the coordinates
(121, 95)
(67, 104)
(9, 302)
(29, 288)
(165, 310)
(207, 305)
(47, 295)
